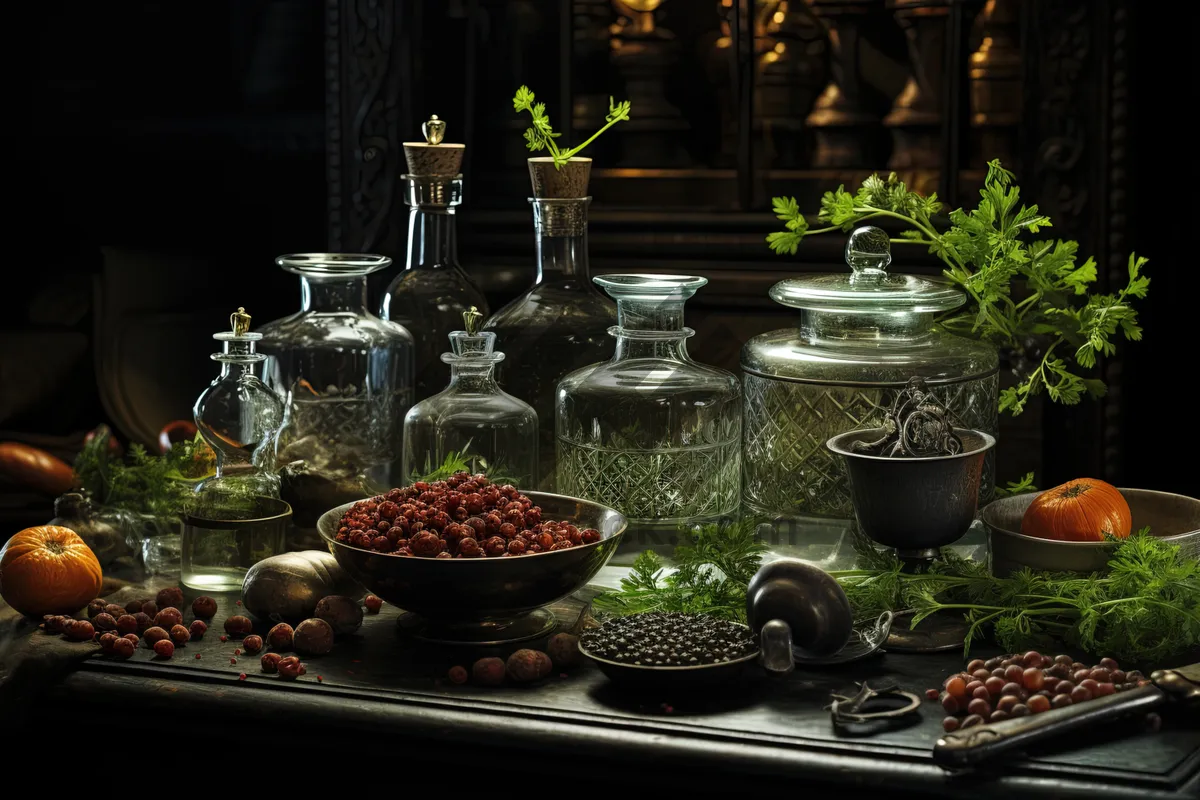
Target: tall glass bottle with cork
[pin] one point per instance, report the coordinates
(430, 296)
(561, 323)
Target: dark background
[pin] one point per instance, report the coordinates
(161, 154)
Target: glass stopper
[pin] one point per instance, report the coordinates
(434, 130)
(239, 321)
(471, 320)
(868, 252)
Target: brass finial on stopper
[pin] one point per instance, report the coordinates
(239, 321)
(471, 319)
(434, 130)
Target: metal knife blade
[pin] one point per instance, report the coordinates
(981, 742)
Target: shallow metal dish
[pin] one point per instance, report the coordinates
(483, 600)
(643, 677)
(1173, 517)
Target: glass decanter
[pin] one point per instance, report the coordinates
(431, 295)
(651, 432)
(239, 417)
(560, 324)
(346, 379)
(862, 336)
(492, 431)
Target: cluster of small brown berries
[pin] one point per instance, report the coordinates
(523, 666)
(464, 516)
(118, 629)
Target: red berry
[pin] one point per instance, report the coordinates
(164, 648)
(204, 606)
(198, 629)
(270, 662)
(458, 674)
(239, 626)
(252, 643)
(180, 634)
(242, 676)
(155, 635)
(279, 637)
(290, 668)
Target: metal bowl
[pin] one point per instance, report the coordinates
(915, 505)
(1172, 517)
(634, 676)
(483, 600)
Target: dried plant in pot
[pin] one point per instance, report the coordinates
(914, 481)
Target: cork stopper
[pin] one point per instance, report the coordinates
(433, 157)
(570, 182)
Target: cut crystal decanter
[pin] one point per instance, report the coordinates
(346, 379)
(431, 295)
(492, 431)
(561, 323)
(863, 335)
(651, 432)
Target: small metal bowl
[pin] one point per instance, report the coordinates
(915, 505)
(482, 601)
(1172, 517)
(633, 676)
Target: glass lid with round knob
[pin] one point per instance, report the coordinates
(868, 287)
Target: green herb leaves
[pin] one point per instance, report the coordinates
(713, 571)
(1146, 608)
(540, 135)
(1027, 296)
(143, 483)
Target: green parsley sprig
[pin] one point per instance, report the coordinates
(713, 571)
(540, 135)
(1144, 609)
(987, 254)
(141, 482)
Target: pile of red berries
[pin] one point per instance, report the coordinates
(464, 516)
(1021, 684)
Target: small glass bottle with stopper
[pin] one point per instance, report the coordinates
(473, 423)
(236, 518)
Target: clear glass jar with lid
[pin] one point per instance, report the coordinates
(862, 335)
(490, 430)
(346, 377)
(651, 432)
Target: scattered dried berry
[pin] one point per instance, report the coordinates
(239, 626)
(252, 643)
(198, 628)
(96, 606)
(132, 638)
(204, 606)
(104, 621)
(144, 621)
(197, 656)
(80, 630)
(150, 608)
(171, 597)
(233, 661)
(563, 649)
(313, 637)
(114, 610)
(270, 662)
(373, 603)
(290, 668)
(457, 674)
(180, 634)
(524, 666)
(320, 679)
(168, 618)
(242, 676)
(106, 641)
(133, 606)
(127, 623)
(123, 648)
(488, 671)
(343, 614)
(280, 637)
(55, 623)
(164, 648)
(155, 635)
(224, 637)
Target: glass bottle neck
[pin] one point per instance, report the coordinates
(477, 378)
(562, 245)
(333, 294)
(432, 240)
(651, 329)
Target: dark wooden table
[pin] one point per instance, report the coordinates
(382, 702)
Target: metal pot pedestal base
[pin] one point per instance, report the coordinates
(522, 628)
